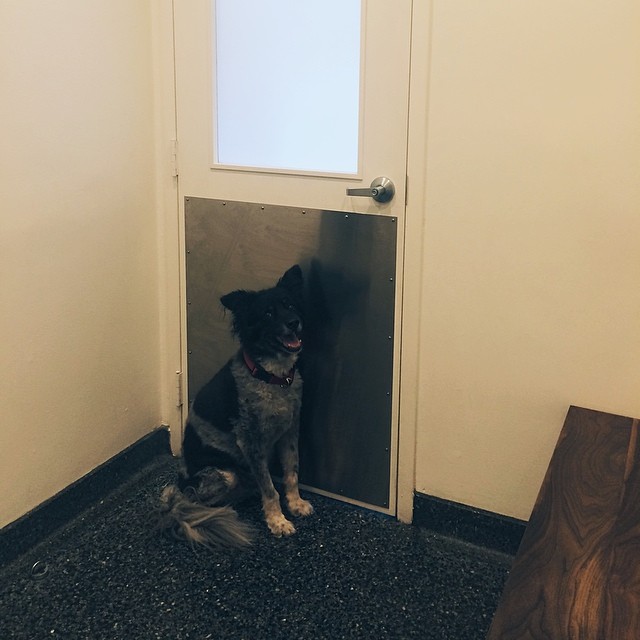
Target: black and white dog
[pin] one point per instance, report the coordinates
(247, 411)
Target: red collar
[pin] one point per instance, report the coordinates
(258, 372)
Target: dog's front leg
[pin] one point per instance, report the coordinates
(287, 448)
(276, 521)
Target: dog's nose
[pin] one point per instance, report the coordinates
(293, 324)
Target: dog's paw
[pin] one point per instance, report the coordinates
(300, 507)
(280, 526)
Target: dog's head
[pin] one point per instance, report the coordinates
(269, 322)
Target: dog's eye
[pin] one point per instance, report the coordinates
(269, 312)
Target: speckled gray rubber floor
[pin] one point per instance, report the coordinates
(346, 573)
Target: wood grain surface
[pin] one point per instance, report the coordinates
(577, 573)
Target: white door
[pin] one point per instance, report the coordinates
(379, 145)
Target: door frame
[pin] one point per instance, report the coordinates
(171, 237)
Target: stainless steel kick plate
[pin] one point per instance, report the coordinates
(349, 265)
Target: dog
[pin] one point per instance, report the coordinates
(249, 410)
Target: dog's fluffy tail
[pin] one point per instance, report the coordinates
(200, 525)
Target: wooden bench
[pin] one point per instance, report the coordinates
(577, 573)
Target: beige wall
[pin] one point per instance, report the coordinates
(531, 281)
(78, 242)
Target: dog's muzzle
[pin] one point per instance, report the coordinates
(290, 339)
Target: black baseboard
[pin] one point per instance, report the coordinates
(33, 527)
(482, 528)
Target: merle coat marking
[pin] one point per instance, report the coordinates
(247, 411)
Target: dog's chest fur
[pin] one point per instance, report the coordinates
(265, 411)
(242, 414)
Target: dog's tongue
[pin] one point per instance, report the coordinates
(292, 343)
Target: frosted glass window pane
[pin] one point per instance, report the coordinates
(287, 84)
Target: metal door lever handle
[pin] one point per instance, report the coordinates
(381, 190)
(369, 192)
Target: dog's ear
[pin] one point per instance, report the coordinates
(235, 301)
(292, 281)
